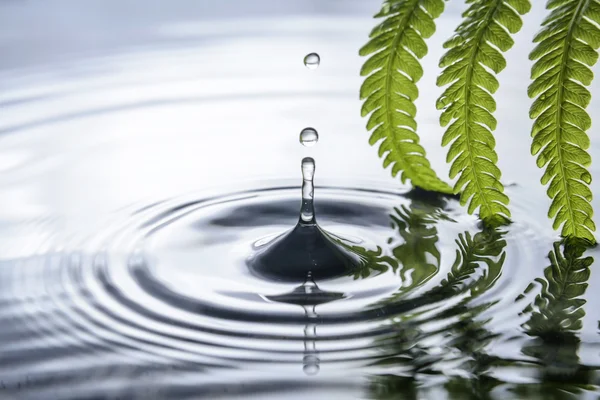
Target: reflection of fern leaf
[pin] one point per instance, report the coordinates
(393, 69)
(485, 247)
(557, 312)
(468, 101)
(371, 262)
(419, 253)
(565, 51)
(559, 305)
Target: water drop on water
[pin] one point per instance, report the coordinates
(312, 61)
(304, 254)
(309, 137)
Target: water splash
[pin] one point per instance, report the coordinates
(307, 213)
(307, 248)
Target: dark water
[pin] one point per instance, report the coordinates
(146, 150)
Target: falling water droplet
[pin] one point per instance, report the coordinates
(312, 61)
(307, 213)
(309, 137)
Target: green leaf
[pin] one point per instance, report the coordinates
(567, 48)
(392, 71)
(474, 55)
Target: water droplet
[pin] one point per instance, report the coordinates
(312, 61)
(307, 213)
(309, 137)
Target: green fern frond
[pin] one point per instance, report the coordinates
(389, 90)
(473, 52)
(567, 47)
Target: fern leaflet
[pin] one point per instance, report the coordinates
(389, 90)
(468, 103)
(566, 49)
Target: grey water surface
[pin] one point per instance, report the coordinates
(149, 148)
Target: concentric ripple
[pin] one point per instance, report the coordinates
(168, 289)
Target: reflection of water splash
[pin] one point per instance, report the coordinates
(309, 296)
(557, 314)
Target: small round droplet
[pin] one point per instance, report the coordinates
(312, 61)
(309, 137)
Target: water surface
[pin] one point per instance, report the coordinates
(146, 150)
